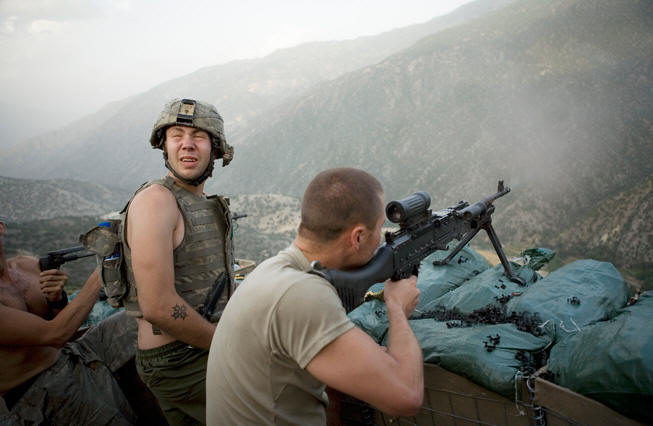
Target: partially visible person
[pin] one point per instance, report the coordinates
(285, 334)
(179, 259)
(44, 377)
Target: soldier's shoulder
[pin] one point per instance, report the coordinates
(24, 263)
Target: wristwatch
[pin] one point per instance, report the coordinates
(59, 304)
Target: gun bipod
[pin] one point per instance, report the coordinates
(497, 248)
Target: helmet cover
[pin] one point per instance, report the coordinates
(192, 113)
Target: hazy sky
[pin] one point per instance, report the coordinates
(62, 59)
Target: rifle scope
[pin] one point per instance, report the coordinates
(408, 208)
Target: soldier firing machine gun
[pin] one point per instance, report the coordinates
(420, 234)
(56, 258)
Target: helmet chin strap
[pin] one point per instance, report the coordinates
(198, 180)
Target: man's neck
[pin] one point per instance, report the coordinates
(197, 190)
(328, 254)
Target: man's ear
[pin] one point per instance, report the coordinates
(355, 236)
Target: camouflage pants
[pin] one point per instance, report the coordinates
(79, 389)
(176, 375)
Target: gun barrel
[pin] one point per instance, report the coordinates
(477, 209)
(66, 250)
(56, 258)
(77, 256)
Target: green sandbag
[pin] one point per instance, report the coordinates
(491, 287)
(537, 257)
(578, 294)
(436, 280)
(612, 361)
(371, 316)
(433, 281)
(476, 353)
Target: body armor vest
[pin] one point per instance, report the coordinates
(205, 251)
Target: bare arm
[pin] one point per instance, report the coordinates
(391, 380)
(21, 328)
(153, 226)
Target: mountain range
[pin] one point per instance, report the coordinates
(110, 146)
(553, 96)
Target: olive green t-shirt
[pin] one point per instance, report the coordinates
(278, 319)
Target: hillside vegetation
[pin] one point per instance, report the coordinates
(269, 227)
(28, 199)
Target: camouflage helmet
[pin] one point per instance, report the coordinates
(192, 113)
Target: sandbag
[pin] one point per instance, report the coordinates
(436, 280)
(433, 281)
(576, 295)
(538, 257)
(612, 361)
(371, 317)
(491, 287)
(489, 355)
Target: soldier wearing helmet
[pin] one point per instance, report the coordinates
(199, 115)
(179, 259)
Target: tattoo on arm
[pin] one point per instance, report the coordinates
(179, 311)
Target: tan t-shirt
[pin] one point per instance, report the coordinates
(278, 319)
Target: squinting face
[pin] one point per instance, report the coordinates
(189, 150)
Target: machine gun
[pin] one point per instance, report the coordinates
(56, 258)
(420, 234)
